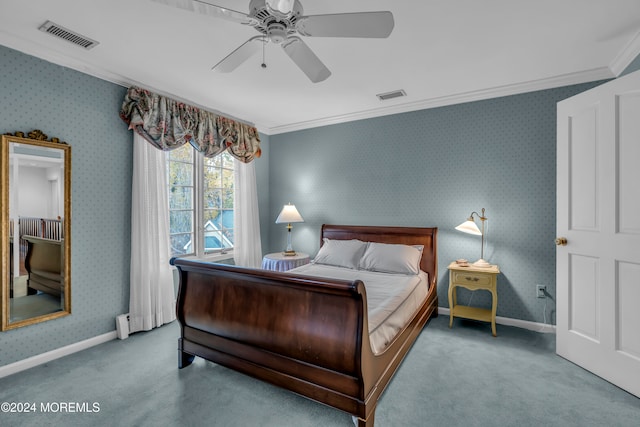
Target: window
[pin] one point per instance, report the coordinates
(200, 202)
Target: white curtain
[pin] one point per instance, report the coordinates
(247, 247)
(152, 300)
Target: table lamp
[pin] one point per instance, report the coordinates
(288, 215)
(469, 226)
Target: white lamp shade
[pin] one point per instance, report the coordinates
(469, 226)
(289, 214)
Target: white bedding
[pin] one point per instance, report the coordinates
(392, 299)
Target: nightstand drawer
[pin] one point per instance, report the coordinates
(471, 278)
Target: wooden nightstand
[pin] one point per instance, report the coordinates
(473, 278)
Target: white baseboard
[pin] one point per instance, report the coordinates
(525, 324)
(39, 359)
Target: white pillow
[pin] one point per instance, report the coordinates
(391, 258)
(340, 253)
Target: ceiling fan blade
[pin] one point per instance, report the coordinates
(240, 55)
(305, 59)
(363, 24)
(204, 8)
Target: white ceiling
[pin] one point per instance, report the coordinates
(440, 52)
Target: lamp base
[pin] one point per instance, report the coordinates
(481, 264)
(289, 253)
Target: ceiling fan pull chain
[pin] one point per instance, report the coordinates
(264, 42)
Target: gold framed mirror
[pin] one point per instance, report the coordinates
(35, 238)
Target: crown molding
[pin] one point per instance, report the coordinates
(63, 60)
(617, 66)
(50, 55)
(626, 56)
(477, 95)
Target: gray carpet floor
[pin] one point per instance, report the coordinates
(452, 377)
(39, 304)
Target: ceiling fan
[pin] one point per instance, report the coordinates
(278, 21)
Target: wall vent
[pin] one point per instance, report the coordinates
(68, 35)
(391, 95)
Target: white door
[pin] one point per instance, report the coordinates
(598, 212)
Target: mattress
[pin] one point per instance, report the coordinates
(392, 299)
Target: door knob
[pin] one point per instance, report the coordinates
(561, 241)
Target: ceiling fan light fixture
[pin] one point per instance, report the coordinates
(277, 33)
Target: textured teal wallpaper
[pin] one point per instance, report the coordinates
(432, 168)
(82, 111)
(634, 66)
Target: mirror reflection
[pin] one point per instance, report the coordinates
(36, 182)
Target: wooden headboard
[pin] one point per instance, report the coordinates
(397, 235)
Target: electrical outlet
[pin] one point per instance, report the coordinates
(541, 291)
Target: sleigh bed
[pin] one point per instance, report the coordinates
(308, 334)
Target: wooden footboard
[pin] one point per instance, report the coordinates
(306, 334)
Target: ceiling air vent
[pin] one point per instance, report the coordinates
(68, 35)
(391, 95)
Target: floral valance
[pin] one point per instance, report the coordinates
(169, 124)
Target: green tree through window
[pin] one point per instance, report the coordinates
(200, 202)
